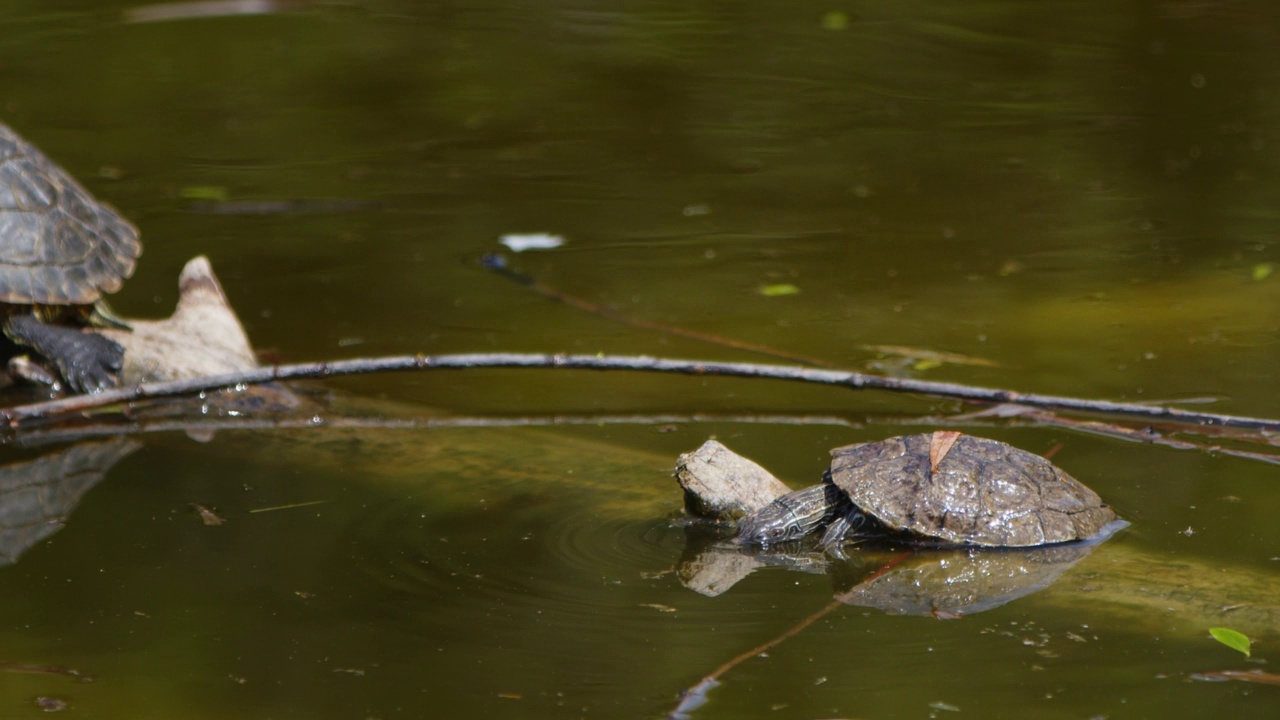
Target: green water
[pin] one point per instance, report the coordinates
(1076, 192)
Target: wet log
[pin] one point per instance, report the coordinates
(722, 485)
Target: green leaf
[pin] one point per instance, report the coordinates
(779, 290)
(1231, 638)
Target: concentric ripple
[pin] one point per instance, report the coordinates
(567, 564)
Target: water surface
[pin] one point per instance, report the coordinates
(1076, 192)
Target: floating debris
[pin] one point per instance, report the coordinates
(288, 507)
(779, 290)
(1233, 639)
(518, 242)
(207, 515)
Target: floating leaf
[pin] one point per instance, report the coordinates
(924, 355)
(207, 516)
(1231, 638)
(779, 290)
(1262, 271)
(835, 20)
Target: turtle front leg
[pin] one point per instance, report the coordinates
(87, 361)
(841, 528)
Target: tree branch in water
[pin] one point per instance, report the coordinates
(21, 416)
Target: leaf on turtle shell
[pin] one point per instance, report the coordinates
(1231, 638)
(939, 445)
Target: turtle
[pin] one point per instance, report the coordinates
(60, 251)
(943, 488)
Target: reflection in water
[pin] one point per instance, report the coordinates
(37, 496)
(965, 581)
(938, 582)
(201, 9)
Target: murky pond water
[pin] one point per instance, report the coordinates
(1075, 192)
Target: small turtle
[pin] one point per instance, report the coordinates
(60, 250)
(942, 488)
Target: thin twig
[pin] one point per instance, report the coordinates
(1150, 435)
(21, 416)
(498, 264)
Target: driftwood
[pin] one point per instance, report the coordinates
(202, 337)
(718, 483)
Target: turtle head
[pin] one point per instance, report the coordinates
(762, 528)
(789, 517)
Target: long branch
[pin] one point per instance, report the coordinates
(20, 416)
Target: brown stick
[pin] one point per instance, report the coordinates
(17, 417)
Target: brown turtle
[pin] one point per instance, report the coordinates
(941, 488)
(60, 251)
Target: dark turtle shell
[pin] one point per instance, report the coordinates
(58, 245)
(983, 492)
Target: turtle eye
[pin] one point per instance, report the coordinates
(777, 533)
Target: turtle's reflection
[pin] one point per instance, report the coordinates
(36, 496)
(900, 580)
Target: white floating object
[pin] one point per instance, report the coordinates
(519, 242)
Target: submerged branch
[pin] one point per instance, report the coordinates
(22, 416)
(109, 425)
(696, 696)
(498, 264)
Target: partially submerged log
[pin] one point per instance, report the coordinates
(202, 337)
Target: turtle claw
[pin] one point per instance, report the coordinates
(95, 365)
(88, 362)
